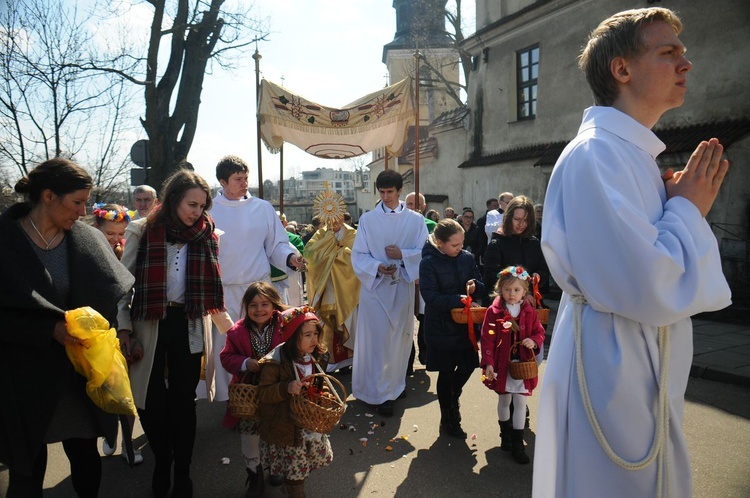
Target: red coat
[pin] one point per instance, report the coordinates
(496, 346)
(238, 348)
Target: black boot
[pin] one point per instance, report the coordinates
(519, 452)
(449, 424)
(506, 429)
(294, 489)
(255, 483)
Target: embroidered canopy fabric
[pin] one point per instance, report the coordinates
(380, 119)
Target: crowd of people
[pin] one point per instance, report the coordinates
(184, 310)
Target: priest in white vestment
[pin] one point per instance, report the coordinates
(253, 239)
(635, 257)
(386, 255)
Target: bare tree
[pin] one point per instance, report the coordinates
(49, 106)
(427, 12)
(112, 164)
(200, 33)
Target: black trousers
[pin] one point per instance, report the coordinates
(169, 418)
(450, 385)
(85, 471)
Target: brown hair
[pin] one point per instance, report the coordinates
(266, 290)
(172, 193)
(290, 348)
(447, 228)
(229, 165)
(617, 36)
(61, 176)
(520, 202)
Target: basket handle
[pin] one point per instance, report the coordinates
(247, 377)
(327, 378)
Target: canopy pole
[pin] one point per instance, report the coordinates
(257, 57)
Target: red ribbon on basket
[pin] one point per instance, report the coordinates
(537, 294)
(470, 321)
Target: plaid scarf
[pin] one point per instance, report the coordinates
(203, 290)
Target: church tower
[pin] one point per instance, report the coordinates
(420, 24)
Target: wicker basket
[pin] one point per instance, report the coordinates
(320, 415)
(523, 369)
(543, 315)
(477, 314)
(243, 397)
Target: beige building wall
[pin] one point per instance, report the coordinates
(718, 41)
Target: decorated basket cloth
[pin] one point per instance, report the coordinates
(318, 411)
(524, 369)
(243, 397)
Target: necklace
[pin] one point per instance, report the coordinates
(48, 244)
(261, 339)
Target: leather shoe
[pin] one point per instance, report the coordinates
(386, 409)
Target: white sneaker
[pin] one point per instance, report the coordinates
(137, 457)
(108, 449)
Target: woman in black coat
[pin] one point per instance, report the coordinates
(446, 273)
(515, 246)
(50, 262)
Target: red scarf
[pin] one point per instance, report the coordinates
(203, 291)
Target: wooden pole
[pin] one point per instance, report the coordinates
(281, 180)
(385, 158)
(257, 57)
(417, 56)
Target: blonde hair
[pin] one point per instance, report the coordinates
(617, 36)
(505, 276)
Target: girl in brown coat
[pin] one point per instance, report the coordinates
(285, 448)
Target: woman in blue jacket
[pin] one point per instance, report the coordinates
(446, 274)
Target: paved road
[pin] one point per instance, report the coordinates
(421, 463)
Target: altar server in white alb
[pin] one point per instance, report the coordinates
(386, 255)
(635, 257)
(253, 239)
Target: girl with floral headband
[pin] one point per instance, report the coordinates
(285, 448)
(248, 341)
(112, 220)
(510, 321)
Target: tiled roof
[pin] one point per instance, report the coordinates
(686, 138)
(678, 139)
(454, 117)
(550, 151)
(427, 148)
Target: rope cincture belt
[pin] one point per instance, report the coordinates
(660, 443)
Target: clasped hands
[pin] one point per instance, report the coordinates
(700, 180)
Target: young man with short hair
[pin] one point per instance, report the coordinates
(635, 257)
(386, 256)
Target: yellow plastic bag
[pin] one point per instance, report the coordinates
(97, 357)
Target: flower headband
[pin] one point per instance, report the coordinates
(515, 271)
(112, 215)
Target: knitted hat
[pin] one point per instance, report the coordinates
(293, 318)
